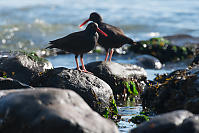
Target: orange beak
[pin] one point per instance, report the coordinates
(84, 22)
(98, 29)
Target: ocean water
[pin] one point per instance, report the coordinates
(32, 24)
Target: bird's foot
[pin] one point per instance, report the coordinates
(86, 71)
(79, 69)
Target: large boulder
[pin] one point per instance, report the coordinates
(48, 110)
(177, 90)
(115, 74)
(189, 125)
(183, 40)
(171, 122)
(93, 90)
(22, 66)
(162, 49)
(8, 83)
(147, 61)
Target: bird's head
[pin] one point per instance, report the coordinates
(93, 27)
(94, 16)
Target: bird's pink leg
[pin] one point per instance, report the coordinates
(107, 53)
(78, 68)
(83, 67)
(111, 54)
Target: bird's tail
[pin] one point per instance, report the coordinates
(131, 42)
(48, 47)
(51, 45)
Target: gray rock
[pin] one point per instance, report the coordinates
(195, 61)
(189, 125)
(93, 90)
(163, 123)
(192, 104)
(148, 61)
(8, 83)
(22, 67)
(178, 90)
(183, 40)
(48, 110)
(115, 73)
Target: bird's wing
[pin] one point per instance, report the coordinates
(113, 29)
(70, 40)
(116, 34)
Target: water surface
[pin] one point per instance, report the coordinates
(31, 24)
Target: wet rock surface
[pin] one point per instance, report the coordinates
(8, 83)
(180, 121)
(147, 61)
(189, 125)
(93, 90)
(195, 61)
(162, 49)
(183, 40)
(22, 66)
(48, 110)
(115, 74)
(177, 90)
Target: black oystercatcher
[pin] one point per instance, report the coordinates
(116, 37)
(79, 42)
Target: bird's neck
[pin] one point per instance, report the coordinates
(90, 32)
(98, 22)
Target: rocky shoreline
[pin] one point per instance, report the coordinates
(34, 95)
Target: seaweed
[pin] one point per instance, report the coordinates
(162, 49)
(139, 119)
(131, 87)
(111, 111)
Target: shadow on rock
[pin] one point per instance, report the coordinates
(8, 83)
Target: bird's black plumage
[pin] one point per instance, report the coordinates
(116, 37)
(78, 43)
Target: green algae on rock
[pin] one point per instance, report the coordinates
(162, 49)
(22, 66)
(120, 77)
(177, 90)
(139, 119)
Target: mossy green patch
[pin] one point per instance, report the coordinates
(162, 49)
(139, 119)
(159, 41)
(3, 74)
(98, 51)
(111, 111)
(33, 56)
